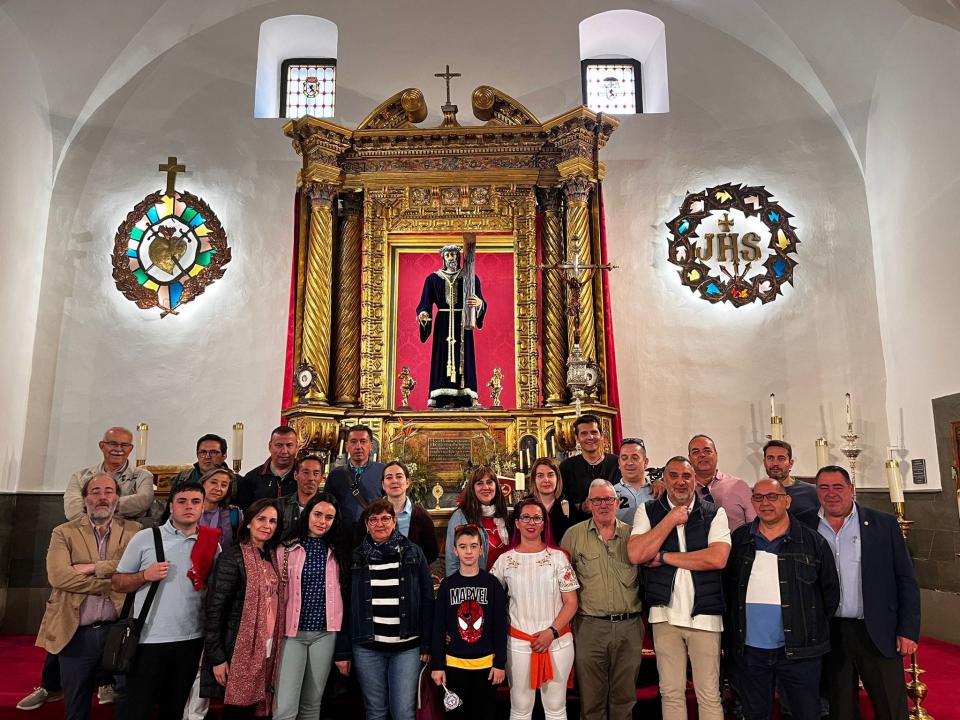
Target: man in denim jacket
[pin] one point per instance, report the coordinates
(781, 588)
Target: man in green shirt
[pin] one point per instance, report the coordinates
(608, 629)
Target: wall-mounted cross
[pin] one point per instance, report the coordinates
(171, 168)
(446, 76)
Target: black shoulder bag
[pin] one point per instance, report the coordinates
(123, 637)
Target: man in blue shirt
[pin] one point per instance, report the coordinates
(358, 483)
(781, 590)
(878, 620)
(777, 463)
(633, 489)
(168, 655)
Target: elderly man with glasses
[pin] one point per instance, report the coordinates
(608, 629)
(136, 483)
(781, 589)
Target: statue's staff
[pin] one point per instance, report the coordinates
(469, 312)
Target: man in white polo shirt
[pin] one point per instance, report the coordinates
(172, 638)
(683, 543)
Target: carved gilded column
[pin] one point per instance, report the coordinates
(577, 191)
(317, 302)
(347, 331)
(554, 294)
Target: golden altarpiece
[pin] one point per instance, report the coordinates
(370, 194)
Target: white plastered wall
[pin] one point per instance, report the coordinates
(684, 366)
(26, 152)
(913, 189)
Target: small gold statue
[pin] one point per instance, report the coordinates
(437, 493)
(496, 387)
(407, 384)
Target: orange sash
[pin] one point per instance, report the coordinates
(541, 669)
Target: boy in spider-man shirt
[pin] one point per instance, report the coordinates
(469, 651)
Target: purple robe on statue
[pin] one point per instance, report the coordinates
(445, 376)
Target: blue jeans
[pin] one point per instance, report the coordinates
(388, 681)
(758, 671)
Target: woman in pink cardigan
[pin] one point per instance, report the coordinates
(315, 563)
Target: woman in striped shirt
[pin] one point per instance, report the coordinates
(391, 615)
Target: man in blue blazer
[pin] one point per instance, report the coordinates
(878, 620)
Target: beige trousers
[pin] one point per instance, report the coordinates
(673, 646)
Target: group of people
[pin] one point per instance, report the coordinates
(265, 582)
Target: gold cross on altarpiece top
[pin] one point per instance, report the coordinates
(171, 168)
(573, 276)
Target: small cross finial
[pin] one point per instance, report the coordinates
(446, 76)
(171, 168)
(725, 222)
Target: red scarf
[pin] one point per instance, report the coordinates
(202, 555)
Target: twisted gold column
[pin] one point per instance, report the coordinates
(346, 375)
(554, 306)
(577, 192)
(317, 307)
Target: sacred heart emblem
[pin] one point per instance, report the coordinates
(166, 250)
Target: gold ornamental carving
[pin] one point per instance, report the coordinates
(577, 191)
(554, 311)
(316, 434)
(317, 306)
(347, 326)
(416, 184)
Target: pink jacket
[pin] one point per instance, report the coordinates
(291, 560)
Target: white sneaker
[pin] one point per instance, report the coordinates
(39, 697)
(106, 694)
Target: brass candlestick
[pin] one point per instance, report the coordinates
(916, 688)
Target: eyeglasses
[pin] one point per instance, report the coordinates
(603, 501)
(208, 453)
(633, 441)
(114, 445)
(534, 519)
(769, 497)
(385, 520)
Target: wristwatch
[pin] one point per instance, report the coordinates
(660, 557)
(556, 635)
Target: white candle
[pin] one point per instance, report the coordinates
(142, 430)
(776, 428)
(847, 404)
(895, 481)
(520, 481)
(823, 453)
(238, 441)
(773, 405)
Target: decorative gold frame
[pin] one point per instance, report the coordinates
(419, 182)
(395, 245)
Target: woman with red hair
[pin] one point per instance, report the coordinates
(541, 587)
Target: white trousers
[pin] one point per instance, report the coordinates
(553, 694)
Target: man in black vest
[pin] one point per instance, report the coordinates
(683, 543)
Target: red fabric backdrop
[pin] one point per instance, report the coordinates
(495, 343)
(613, 386)
(286, 399)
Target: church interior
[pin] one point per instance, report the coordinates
(823, 130)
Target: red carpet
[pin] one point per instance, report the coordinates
(21, 662)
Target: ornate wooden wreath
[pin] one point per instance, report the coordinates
(739, 288)
(168, 250)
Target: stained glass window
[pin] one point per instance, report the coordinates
(308, 87)
(612, 86)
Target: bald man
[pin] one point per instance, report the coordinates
(136, 483)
